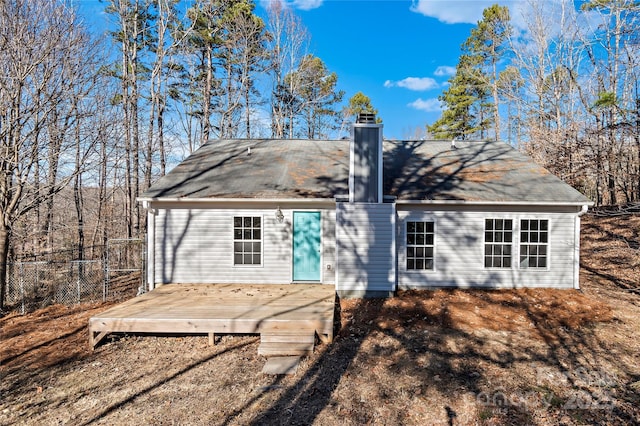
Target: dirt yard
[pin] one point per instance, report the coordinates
(516, 357)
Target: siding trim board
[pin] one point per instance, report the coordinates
(484, 204)
(151, 247)
(576, 252)
(491, 208)
(227, 201)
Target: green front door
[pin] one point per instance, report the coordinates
(306, 246)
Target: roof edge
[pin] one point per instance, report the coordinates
(218, 200)
(333, 201)
(494, 203)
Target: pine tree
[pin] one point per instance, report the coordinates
(472, 100)
(466, 103)
(315, 90)
(487, 42)
(359, 103)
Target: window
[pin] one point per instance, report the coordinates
(498, 235)
(247, 240)
(420, 236)
(534, 240)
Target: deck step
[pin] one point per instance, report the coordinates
(289, 342)
(285, 348)
(292, 337)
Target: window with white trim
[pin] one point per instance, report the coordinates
(247, 240)
(498, 237)
(420, 245)
(534, 243)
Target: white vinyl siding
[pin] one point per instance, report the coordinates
(366, 247)
(460, 240)
(328, 242)
(196, 245)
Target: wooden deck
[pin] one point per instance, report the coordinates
(290, 311)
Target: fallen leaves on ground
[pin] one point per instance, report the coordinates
(526, 356)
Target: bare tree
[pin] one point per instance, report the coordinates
(203, 39)
(47, 68)
(577, 94)
(170, 34)
(133, 21)
(612, 49)
(243, 55)
(289, 44)
(543, 89)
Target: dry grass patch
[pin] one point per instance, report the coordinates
(534, 311)
(47, 337)
(462, 357)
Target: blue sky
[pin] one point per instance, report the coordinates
(397, 56)
(400, 53)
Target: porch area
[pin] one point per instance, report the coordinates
(288, 317)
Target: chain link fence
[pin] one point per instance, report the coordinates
(37, 284)
(124, 264)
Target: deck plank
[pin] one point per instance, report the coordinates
(221, 308)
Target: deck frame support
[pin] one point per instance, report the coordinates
(221, 308)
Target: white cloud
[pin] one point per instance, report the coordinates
(560, 16)
(428, 105)
(444, 71)
(295, 4)
(467, 11)
(452, 12)
(304, 4)
(414, 83)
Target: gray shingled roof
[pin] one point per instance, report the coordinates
(275, 169)
(414, 170)
(473, 171)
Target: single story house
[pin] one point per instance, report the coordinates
(366, 215)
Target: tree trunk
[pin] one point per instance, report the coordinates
(135, 208)
(77, 197)
(150, 134)
(126, 106)
(206, 99)
(102, 191)
(55, 143)
(4, 255)
(496, 101)
(161, 148)
(637, 139)
(247, 102)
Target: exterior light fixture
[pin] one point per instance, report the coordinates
(279, 215)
